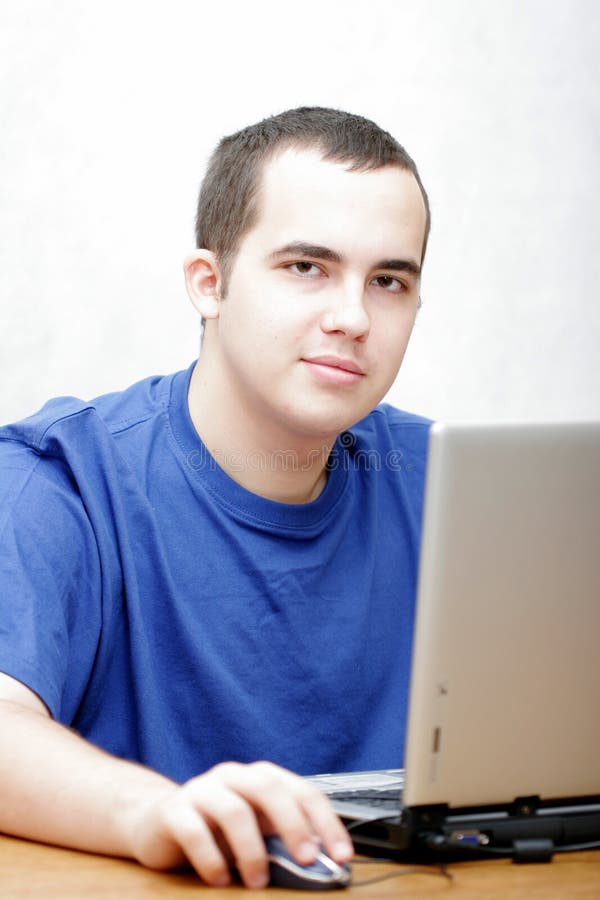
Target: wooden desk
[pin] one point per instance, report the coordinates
(36, 871)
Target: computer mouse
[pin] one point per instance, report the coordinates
(321, 875)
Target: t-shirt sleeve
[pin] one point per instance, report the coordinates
(50, 610)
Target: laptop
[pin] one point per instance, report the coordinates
(502, 753)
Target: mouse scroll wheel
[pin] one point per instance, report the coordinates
(326, 865)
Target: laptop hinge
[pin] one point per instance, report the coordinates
(524, 806)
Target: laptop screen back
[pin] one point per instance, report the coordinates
(505, 689)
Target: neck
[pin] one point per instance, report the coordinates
(260, 456)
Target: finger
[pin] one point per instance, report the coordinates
(230, 813)
(294, 808)
(269, 790)
(326, 823)
(188, 828)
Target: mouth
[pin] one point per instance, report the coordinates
(335, 369)
(336, 362)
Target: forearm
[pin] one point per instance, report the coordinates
(58, 788)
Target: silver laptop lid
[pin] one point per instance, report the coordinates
(505, 688)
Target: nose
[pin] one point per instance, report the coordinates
(346, 313)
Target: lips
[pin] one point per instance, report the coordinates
(336, 362)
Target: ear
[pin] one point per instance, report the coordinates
(203, 282)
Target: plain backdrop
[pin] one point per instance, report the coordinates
(108, 111)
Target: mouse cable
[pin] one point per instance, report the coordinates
(439, 870)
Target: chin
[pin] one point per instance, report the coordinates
(327, 424)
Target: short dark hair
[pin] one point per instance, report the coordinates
(227, 204)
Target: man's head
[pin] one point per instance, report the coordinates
(229, 201)
(316, 221)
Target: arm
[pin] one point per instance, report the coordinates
(58, 788)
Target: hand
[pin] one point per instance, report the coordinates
(219, 818)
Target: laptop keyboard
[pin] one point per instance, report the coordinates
(384, 800)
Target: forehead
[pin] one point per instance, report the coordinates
(304, 197)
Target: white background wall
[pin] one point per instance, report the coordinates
(108, 111)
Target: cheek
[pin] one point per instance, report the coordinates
(287, 325)
(392, 338)
(390, 354)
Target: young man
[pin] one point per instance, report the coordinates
(219, 567)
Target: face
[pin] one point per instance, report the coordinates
(321, 297)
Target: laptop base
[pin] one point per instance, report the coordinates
(528, 830)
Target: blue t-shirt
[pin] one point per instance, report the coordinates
(172, 617)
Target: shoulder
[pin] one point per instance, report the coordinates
(387, 428)
(387, 446)
(72, 443)
(392, 417)
(114, 412)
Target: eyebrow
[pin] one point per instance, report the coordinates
(301, 248)
(316, 251)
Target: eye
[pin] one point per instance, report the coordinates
(304, 269)
(389, 283)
